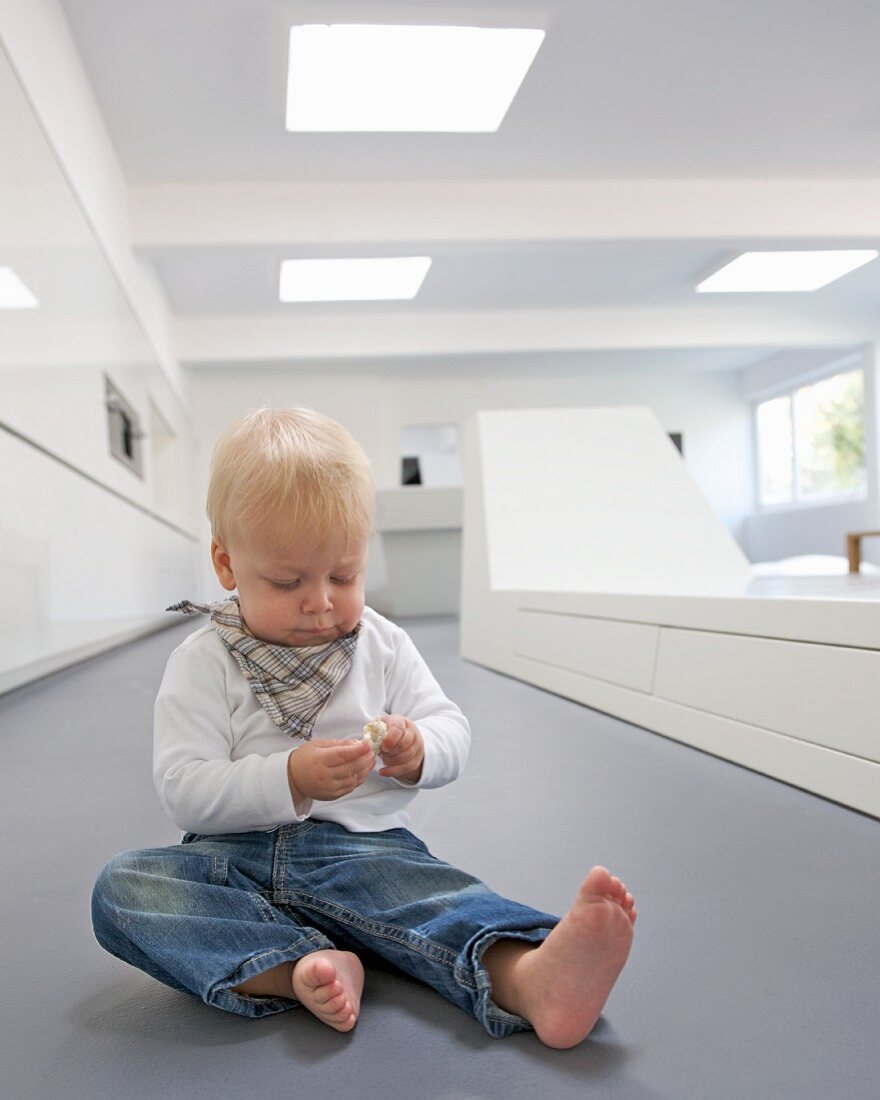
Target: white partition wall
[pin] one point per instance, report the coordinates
(84, 569)
(96, 508)
(602, 499)
(592, 567)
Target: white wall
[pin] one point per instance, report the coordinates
(39, 45)
(816, 528)
(376, 404)
(92, 551)
(438, 450)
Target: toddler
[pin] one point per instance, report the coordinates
(296, 855)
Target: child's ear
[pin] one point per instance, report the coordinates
(222, 565)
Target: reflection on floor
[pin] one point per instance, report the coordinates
(753, 971)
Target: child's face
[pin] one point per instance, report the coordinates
(292, 593)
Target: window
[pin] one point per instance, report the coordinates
(811, 442)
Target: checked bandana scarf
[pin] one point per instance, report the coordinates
(291, 683)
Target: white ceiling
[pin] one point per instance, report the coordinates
(195, 90)
(649, 143)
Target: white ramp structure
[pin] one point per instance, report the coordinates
(593, 567)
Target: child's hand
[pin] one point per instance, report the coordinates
(327, 769)
(403, 750)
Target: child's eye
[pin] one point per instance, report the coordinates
(278, 584)
(342, 580)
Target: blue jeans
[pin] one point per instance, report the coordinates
(205, 915)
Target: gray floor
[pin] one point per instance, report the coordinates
(754, 971)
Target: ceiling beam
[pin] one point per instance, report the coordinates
(358, 335)
(400, 213)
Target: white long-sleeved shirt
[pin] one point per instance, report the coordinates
(220, 762)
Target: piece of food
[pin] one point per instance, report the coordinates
(374, 733)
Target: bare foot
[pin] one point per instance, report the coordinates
(563, 984)
(329, 984)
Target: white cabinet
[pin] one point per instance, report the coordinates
(828, 695)
(621, 653)
(590, 569)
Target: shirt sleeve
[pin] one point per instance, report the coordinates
(411, 690)
(200, 787)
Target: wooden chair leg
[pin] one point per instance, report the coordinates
(854, 547)
(854, 552)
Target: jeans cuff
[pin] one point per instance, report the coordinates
(221, 994)
(496, 1020)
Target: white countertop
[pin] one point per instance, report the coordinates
(831, 610)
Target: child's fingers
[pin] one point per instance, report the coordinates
(343, 754)
(404, 743)
(400, 762)
(389, 747)
(394, 770)
(338, 743)
(396, 731)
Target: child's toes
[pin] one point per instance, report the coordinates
(324, 994)
(616, 891)
(597, 883)
(334, 1008)
(319, 983)
(343, 1013)
(321, 972)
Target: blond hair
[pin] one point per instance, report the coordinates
(292, 471)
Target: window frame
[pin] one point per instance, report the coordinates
(841, 366)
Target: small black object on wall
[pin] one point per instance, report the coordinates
(411, 474)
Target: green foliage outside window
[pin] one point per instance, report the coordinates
(831, 435)
(825, 422)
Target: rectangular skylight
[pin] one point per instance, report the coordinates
(352, 280)
(781, 271)
(348, 77)
(13, 293)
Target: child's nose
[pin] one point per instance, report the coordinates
(316, 600)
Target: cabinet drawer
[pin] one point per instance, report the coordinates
(828, 695)
(621, 653)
